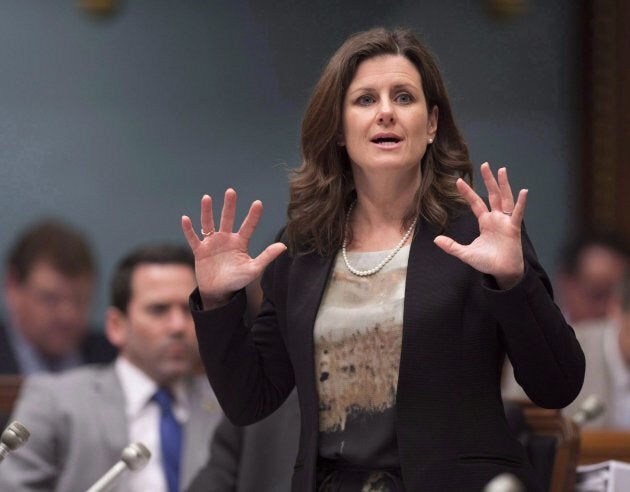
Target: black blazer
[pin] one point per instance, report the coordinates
(450, 426)
(95, 348)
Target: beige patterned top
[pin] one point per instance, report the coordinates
(358, 333)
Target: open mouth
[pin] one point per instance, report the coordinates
(386, 140)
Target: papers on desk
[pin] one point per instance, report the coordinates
(609, 476)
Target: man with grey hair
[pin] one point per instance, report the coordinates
(606, 345)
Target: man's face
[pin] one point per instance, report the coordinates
(588, 294)
(157, 332)
(50, 309)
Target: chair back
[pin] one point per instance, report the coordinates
(553, 444)
(9, 389)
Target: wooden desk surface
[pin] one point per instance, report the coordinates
(598, 445)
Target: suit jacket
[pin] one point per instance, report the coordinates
(254, 458)
(450, 425)
(94, 349)
(78, 430)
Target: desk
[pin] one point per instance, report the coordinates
(597, 445)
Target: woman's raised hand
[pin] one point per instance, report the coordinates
(498, 250)
(222, 262)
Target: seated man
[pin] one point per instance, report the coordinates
(82, 419)
(606, 345)
(48, 288)
(590, 266)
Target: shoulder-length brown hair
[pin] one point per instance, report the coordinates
(322, 188)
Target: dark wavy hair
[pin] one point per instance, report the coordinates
(322, 188)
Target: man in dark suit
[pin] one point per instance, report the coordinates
(254, 458)
(48, 286)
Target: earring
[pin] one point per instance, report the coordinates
(430, 140)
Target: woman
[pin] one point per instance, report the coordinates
(394, 295)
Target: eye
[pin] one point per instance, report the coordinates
(365, 100)
(404, 98)
(157, 309)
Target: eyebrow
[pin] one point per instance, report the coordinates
(396, 87)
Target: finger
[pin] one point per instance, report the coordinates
(207, 219)
(189, 233)
(494, 193)
(269, 254)
(475, 202)
(519, 209)
(507, 199)
(449, 246)
(228, 212)
(251, 220)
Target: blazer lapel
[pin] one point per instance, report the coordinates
(307, 281)
(109, 412)
(431, 346)
(203, 418)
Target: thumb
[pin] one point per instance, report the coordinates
(449, 246)
(270, 253)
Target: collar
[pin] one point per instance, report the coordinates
(138, 389)
(30, 360)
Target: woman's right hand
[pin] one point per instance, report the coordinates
(222, 262)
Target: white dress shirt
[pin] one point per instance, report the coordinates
(143, 422)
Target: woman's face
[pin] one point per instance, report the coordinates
(386, 123)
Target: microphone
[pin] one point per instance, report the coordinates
(12, 438)
(592, 407)
(504, 482)
(135, 456)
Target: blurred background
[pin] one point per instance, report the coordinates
(116, 116)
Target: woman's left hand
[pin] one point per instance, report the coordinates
(498, 250)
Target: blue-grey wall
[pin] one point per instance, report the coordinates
(120, 125)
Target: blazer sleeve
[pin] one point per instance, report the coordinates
(249, 369)
(547, 358)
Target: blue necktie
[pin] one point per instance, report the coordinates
(170, 439)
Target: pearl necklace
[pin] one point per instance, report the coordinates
(387, 259)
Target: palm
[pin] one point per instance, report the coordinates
(222, 261)
(497, 250)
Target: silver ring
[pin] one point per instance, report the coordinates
(207, 234)
(509, 214)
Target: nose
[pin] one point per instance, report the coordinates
(71, 311)
(180, 320)
(386, 112)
